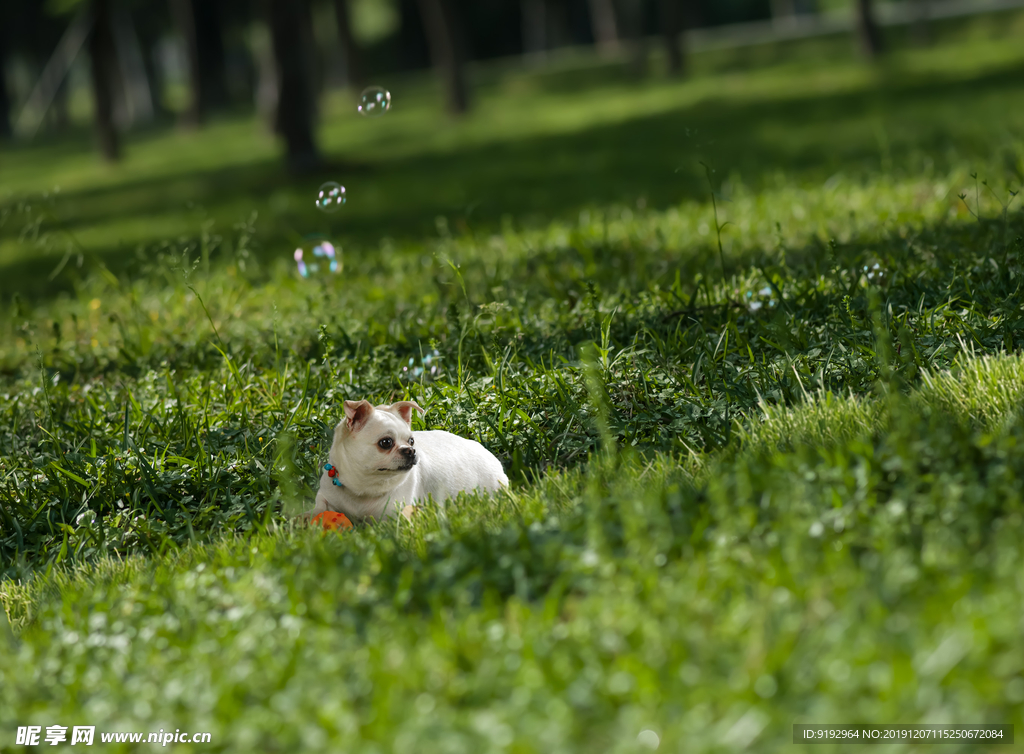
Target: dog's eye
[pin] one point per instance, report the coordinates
(386, 443)
(411, 442)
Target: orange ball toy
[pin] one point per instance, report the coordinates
(332, 520)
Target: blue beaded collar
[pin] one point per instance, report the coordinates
(333, 474)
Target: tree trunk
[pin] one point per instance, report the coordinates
(783, 9)
(267, 85)
(633, 21)
(671, 29)
(868, 31)
(605, 25)
(295, 99)
(919, 27)
(184, 18)
(5, 98)
(58, 112)
(104, 73)
(446, 51)
(150, 27)
(534, 28)
(311, 58)
(209, 30)
(413, 48)
(137, 99)
(155, 78)
(202, 30)
(353, 65)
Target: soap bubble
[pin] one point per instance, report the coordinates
(317, 255)
(428, 367)
(330, 197)
(649, 739)
(874, 272)
(86, 518)
(755, 301)
(326, 250)
(374, 101)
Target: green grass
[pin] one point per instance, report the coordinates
(537, 146)
(789, 490)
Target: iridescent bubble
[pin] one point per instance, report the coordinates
(330, 197)
(649, 739)
(374, 101)
(86, 518)
(303, 270)
(326, 250)
(763, 296)
(320, 249)
(427, 368)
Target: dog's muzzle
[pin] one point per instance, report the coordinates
(409, 459)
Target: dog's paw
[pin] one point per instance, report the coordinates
(408, 511)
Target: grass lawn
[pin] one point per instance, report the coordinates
(767, 453)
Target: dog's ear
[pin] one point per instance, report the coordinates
(357, 413)
(404, 410)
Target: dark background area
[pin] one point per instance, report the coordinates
(142, 61)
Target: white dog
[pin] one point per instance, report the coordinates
(378, 466)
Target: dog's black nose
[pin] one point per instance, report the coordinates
(408, 452)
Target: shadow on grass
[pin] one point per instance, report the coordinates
(805, 138)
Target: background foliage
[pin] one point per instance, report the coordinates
(766, 451)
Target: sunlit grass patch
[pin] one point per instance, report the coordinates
(771, 480)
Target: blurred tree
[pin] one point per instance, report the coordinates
(633, 12)
(239, 58)
(312, 59)
(59, 116)
(413, 50)
(32, 34)
(919, 26)
(209, 27)
(296, 106)
(151, 22)
(353, 64)
(579, 29)
(134, 102)
(494, 28)
(786, 9)
(671, 19)
(867, 30)
(202, 29)
(185, 20)
(103, 58)
(5, 99)
(720, 12)
(534, 28)
(605, 25)
(446, 51)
